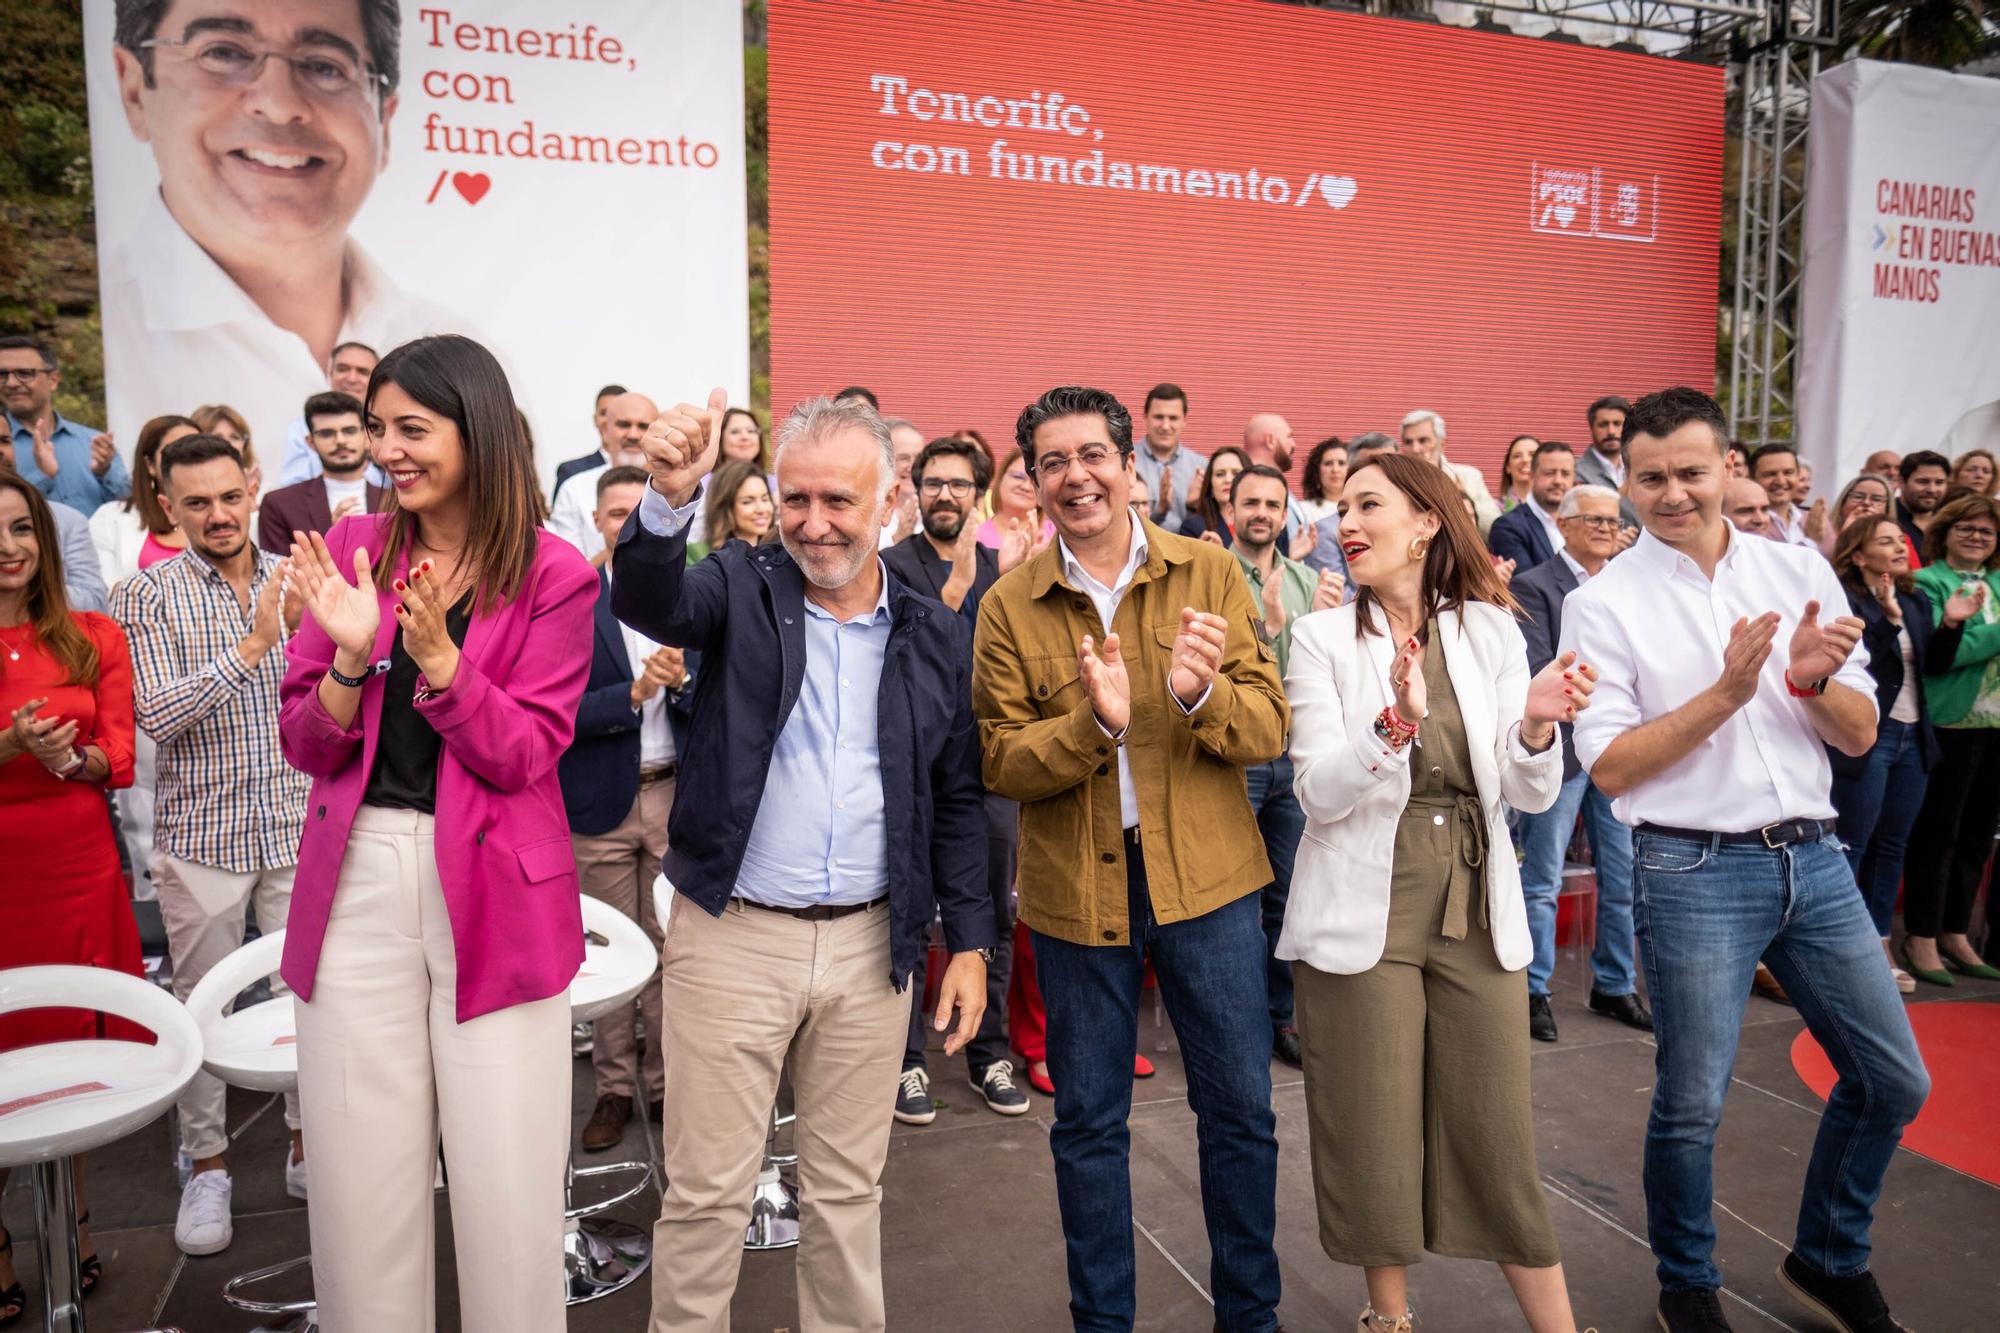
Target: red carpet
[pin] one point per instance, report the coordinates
(1958, 1041)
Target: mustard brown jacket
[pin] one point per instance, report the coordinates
(1041, 745)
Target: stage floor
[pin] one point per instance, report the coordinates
(971, 1239)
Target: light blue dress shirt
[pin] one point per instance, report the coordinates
(819, 838)
(74, 483)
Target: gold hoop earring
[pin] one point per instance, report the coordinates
(1419, 545)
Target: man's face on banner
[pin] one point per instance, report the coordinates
(257, 152)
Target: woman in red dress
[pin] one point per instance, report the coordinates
(66, 696)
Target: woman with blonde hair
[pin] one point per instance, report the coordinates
(1976, 471)
(220, 419)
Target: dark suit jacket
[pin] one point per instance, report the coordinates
(1519, 536)
(300, 507)
(564, 471)
(600, 770)
(916, 562)
(1596, 472)
(744, 609)
(1540, 592)
(1934, 647)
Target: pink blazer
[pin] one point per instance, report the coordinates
(503, 850)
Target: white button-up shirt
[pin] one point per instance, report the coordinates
(1655, 629)
(178, 331)
(573, 515)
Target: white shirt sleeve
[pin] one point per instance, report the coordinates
(1832, 597)
(1593, 631)
(662, 519)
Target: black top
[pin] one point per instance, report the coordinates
(406, 756)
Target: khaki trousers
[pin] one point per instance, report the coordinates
(619, 868)
(203, 911)
(385, 1068)
(745, 995)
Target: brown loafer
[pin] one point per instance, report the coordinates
(1765, 983)
(607, 1123)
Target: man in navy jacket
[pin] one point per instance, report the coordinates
(835, 805)
(618, 779)
(1526, 534)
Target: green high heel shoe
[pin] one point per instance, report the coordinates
(1981, 970)
(1935, 976)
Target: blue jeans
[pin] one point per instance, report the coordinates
(1210, 973)
(1877, 810)
(1282, 823)
(1544, 839)
(1707, 912)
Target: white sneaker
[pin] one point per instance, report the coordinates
(295, 1176)
(204, 1225)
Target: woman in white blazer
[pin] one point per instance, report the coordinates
(1413, 720)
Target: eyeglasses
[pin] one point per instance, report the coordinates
(328, 74)
(1053, 467)
(1866, 500)
(1976, 533)
(935, 486)
(22, 376)
(1595, 522)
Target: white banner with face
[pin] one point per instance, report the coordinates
(1901, 313)
(277, 177)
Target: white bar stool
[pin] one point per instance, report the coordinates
(601, 1254)
(255, 1048)
(774, 1204)
(69, 1097)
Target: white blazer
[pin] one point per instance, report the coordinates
(1353, 787)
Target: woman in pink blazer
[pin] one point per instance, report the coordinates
(435, 925)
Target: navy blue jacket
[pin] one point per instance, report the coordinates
(1935, 648)
(917, 564)
(1519, 536)
(566, 470)
(1540, 592)
(743, 608)
(600, 770)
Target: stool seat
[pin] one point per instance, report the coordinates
(618, 960)
(255, 1047)
(68, 1097)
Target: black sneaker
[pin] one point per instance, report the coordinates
(1696, 1310)
(1541, 1018)
(913, 1097)
(1850, 1304)
(1285, 1045)
(1628, 1009)
(996, 1085)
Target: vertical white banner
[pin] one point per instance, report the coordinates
(564, 183)
(1901, 297)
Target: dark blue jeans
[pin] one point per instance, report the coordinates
(1877, 810)
(1282, 823)
(1210, 973)
(1706, 913)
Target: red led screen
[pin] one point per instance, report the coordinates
(1334, 217)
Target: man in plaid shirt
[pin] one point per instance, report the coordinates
(206, 629)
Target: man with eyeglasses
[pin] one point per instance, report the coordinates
(1588, 519)
(346, 372)
(71, 463)
(340, 441)
(268, 124)
(943, 560)
(1121, 690)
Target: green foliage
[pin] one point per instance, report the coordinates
(53, 143)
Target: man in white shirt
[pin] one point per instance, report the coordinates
(907, 442)
(238, 279)
(572, 516)
(1713, 747)
(1423, 437)
(1775, 467)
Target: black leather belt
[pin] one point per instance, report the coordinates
(1781, 834)
(664, 773)
(821, 912)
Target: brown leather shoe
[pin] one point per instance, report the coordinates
(607, 1123)
(1765, 983)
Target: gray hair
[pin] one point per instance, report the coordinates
(898, 423)
(1424, 414)
(817, 418)
(1370, 439)
(1571, 504)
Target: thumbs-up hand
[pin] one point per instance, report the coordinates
(681, 446)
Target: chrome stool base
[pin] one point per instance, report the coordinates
(774, 1213)
(300, 1316)
(602, 1255)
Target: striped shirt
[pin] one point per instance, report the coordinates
(224, 796)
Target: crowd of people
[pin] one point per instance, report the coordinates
(982, 741)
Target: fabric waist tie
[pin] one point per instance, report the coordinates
(1468, 831)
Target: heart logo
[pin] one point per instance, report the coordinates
(1565, 214)
(1339, 190)
(471, 186)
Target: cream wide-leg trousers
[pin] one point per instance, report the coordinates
(385, 1068)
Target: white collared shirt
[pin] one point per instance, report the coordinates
(573, 515)
(1791, 530)
(1655, 630)
(1534, 507)
(179, 331)
(656, 734)
(1562, 553)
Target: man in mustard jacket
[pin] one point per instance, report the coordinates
(1121, 690)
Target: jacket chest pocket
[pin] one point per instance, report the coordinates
(1054, 684)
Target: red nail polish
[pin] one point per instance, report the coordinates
(398, 585)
